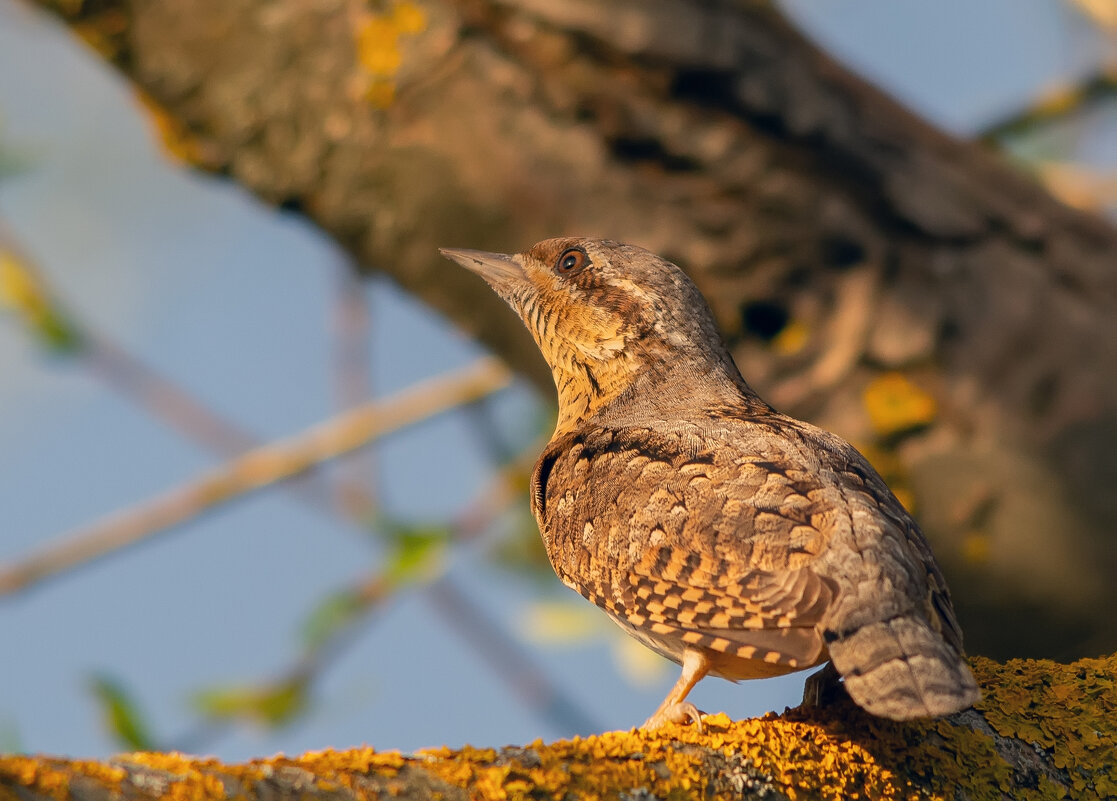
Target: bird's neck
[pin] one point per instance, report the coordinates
(620, 389)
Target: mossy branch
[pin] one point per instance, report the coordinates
(1043, 730)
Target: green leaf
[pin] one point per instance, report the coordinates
(414, 555)
(330, 616)
(23, 293)
(416, 552)
(272, 705)
(121, 715)
(57, 333)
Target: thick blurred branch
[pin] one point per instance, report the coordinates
(1043, 730)
(259, 468)
(795, 194)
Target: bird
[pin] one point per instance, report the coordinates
(731, 539)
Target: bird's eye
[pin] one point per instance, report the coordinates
(571, 261)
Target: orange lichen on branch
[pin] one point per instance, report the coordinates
(104, 26)
(359, 760)
(1042, 731)
(896, 404)
(797, 759)
(53, 778)
(175, 139)
(1067, 710)
(181, 777)
(106, 32)
(379, 38)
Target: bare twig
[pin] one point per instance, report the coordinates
(167, 401)
(154, 393)
(353, 385)
(256, 469)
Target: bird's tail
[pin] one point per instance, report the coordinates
(902, 668)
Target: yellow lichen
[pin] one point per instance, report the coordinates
(378, 45)
(791, 339)
(379, 36)
(359, 760)
(52, 777)
(193, 776)
(104, 31)
(1067, 712)
(896, 404)
(175, 139)
(976, 547)
(794, 757)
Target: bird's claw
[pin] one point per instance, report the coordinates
(822, 687)
(681, 712)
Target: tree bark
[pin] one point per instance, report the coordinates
(905, 289)
(1043, 731)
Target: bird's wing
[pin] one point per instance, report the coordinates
(687, 546)
(770, 616)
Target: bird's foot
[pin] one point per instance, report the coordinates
(822, 687)
(680, 712)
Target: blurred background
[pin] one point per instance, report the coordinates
(156, 321)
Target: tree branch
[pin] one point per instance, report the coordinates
(259, 468)
(1043, 730)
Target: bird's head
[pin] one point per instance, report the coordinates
(609, 318)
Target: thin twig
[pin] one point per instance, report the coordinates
(154, 393)
(355, 494)
(256, 469)
(167, 401)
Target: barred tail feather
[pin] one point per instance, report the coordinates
(902, 669)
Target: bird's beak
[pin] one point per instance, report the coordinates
(499, 270)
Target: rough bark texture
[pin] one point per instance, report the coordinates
(840, 240)
(1043, 731)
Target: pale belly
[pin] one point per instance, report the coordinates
(726, 666)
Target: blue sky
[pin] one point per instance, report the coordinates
(232, 300)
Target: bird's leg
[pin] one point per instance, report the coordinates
(675, 708)
(820, 687)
